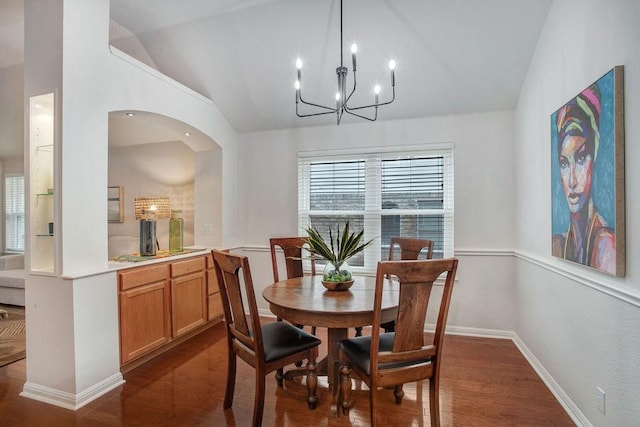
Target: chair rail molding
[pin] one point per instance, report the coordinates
(594, 280)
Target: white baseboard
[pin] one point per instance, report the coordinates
(565, 401)
(69, 400)
(572, 410)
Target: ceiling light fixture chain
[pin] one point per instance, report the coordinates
(341, 95)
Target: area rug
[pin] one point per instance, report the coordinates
(12, 338)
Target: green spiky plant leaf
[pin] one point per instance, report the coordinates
(336, 251)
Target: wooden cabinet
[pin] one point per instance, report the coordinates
(188, 297)
(145, 322)
(163, 304)
(214, 302)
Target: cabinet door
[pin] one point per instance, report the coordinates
(144, 319)
(188, 302)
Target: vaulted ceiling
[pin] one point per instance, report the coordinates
(453, 56)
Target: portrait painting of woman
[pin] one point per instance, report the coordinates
(587, 215)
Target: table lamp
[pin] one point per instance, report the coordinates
(148, 209)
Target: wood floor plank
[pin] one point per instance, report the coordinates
(484, 382)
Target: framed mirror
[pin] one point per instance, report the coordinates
(115, 203)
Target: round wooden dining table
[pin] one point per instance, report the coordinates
(305, 301)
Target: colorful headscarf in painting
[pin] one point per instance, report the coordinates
(581, 117)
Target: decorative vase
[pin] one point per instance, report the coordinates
(176, 231)
(337, 279)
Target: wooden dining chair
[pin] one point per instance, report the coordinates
(266, 347)
(410, 249)
(395, 358)
(292, 251)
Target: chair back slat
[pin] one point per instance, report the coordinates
(410, 248)
(292, 250)
(412, 311)
(234, 279)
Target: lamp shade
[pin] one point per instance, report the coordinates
(152, 207)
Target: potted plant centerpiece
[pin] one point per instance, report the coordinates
(337, 272)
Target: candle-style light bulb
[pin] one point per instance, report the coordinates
(354, 50)
(297, 84)
(376, 91)
(392, 67)
(299, 68)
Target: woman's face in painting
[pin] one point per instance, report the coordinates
(576, 165)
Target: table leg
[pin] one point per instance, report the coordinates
(334, 335)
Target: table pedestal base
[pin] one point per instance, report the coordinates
(329, 367)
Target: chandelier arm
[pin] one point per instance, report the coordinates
(374, 105)
(331, 110)
(352, 91)
(313, 114)
(364, 117)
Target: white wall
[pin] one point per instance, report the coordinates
(12, 112)
(581, 325)
(483, 202)
(154, 170)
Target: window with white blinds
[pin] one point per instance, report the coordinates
(385, 194)
(14, 212)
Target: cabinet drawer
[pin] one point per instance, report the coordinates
(215, 306)
(143, 275)
(187, 266)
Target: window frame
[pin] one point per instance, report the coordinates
(7, 216)
(373, 211)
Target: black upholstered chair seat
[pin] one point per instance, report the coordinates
(358, 350)
(281, 339)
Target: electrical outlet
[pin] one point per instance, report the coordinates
(208, 229)
(600, 399)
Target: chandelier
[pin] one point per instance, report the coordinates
(368, 112)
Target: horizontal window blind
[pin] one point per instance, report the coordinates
(386, 194)
(14, 212)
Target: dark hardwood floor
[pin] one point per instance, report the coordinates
(485, 382)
